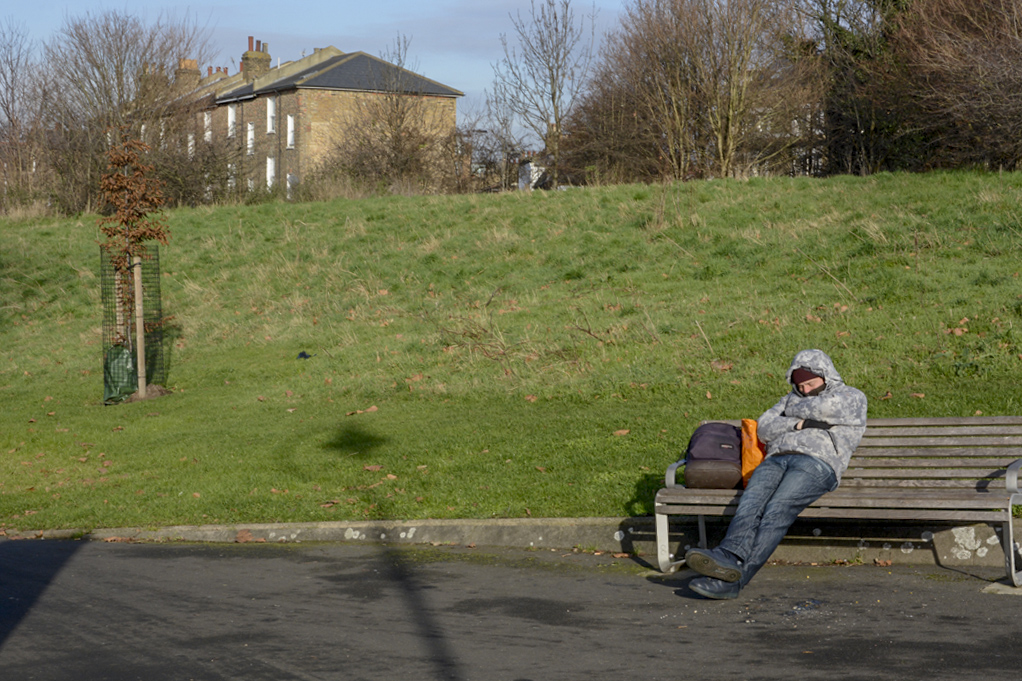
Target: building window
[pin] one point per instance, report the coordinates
(232, 177)
(191, 144)
(250, 142)
(290, 131)
(271, 114)
(271, 171)
(232, 119)
(207, 125)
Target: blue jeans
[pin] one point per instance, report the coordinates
(779, 489)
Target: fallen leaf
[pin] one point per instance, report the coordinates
(919, 395)
(541, 469)
(261, 398)
(243, 536)
(622, 432)
(372, 467)
(620, 555)
(881, 563)
(887, 395)
(709, 396)
(530, 398)
(121, 540)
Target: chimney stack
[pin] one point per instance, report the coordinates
(255, 62)
(187, 75)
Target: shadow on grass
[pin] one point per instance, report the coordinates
(27, 568)
(642, 499)
(355, 441)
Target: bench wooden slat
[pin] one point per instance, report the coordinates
(949, 432)
(926, 462)
(862, 499)
(926, 473)
(945, 421)
(1007, 453)
(915, 442)
(943, 483)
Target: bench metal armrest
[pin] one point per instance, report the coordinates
(669, 476)
(1011, 477)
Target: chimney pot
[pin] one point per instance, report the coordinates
(250, 39)
(259, 46)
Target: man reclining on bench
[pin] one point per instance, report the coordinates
(810, 435)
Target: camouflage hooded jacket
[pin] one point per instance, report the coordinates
(838, 413)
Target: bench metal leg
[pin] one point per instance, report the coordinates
(1008, 541)
(663, 543)
(663, 546)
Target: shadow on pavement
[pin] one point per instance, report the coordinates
(26, 569)
(441, 654)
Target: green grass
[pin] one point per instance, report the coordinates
(480, 356)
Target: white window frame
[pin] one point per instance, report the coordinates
(232, 120)
(271, 171)
(271, 114)
(207, 126)
(290, 131)
(250, 139)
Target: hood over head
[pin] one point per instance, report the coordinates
(816, 362)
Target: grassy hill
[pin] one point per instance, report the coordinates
(542, 354)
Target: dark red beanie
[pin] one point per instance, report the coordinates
(801, 375)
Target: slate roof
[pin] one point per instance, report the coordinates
(355, 71)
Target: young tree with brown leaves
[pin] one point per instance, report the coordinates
(135, 197)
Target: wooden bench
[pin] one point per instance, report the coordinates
(907, 469)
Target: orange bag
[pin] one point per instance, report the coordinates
(753, 451)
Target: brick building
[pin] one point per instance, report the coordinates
(287, 119)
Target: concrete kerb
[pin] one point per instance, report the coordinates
(808, 541)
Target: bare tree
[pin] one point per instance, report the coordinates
(540, 79)
(744, 79)
(503, 144)
(697, 87)
(17, 114)
(112, 71)
(964, 60)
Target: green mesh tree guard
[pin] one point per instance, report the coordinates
(120, 375)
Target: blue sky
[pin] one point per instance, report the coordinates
(455, 42)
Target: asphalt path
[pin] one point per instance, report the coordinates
(86, 611)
